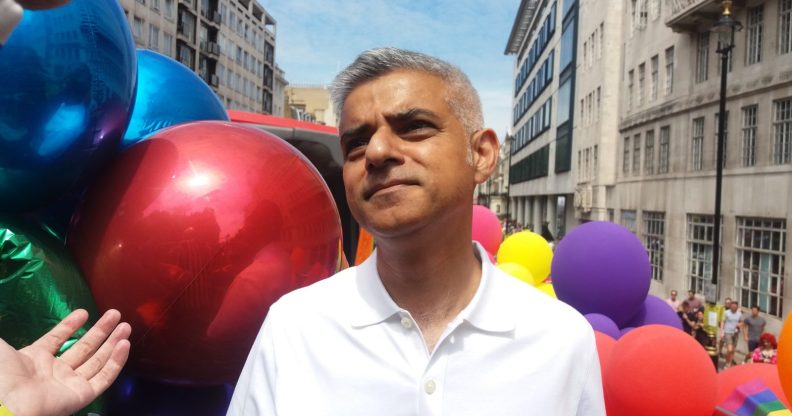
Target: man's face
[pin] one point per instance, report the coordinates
(733, 306)
(755, 311)
(691, 295)
(405, 154)
(673, 295)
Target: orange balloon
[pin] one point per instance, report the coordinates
(784, 362)
(729, 379)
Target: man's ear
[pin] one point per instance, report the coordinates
(485, 148)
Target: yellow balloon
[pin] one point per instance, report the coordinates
(529, 250)
(519, 272)
(547, 288)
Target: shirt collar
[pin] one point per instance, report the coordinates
(491, 308)
(486, 311)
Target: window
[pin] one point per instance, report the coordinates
(599, 102)
(137, 27)
(168, 11)
(753, 50)
(567, 44)
(785, 27)
(167, 44)
(628, 220)
(153, 42)
(665, 139)
(761, 253)
(564, 103)
(641, 84)
(630, 77)
(595, 163)
(654, 241)
(749, 135)
(699, 240)
(697, 150)
(702, 56)
(649, 152)
(155, 5)
(725, 138)
(602, 39)
(636, 164)
(655, 76)
(782, 131)
(654, 9)
(669, 70)
(626, 156)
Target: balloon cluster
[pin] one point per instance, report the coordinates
(118, 191)
(524, 255)
(602, 270)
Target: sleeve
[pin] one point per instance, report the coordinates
(255, 390)
(592, 400)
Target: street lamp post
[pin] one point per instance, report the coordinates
(725, 28)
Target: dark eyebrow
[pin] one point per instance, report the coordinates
(355, 131)
(410, 114)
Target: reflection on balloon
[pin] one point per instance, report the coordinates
(39, 284)
(68, 81)
(192, 235)
(168, 93)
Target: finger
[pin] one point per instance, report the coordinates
(92, 340)
(107, 375)
(54, 339)
(95, 363)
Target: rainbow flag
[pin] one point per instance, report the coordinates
(753, 398)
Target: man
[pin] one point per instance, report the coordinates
(730, 329)
(693, 301)
(753, 326)
(426, 325)
(33, 382)
(672, 300)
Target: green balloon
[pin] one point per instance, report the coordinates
(39, 285)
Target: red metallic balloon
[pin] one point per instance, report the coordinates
(193, 234)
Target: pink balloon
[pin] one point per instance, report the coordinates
(487, 228)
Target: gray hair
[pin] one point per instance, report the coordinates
(462, 97)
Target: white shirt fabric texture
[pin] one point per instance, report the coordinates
(343, 347)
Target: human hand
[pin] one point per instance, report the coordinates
(34, 382)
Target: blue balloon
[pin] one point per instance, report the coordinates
(67, 83)
(168, 93)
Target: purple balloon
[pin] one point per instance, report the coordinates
(655, 311)
(601, 267)
(603, 324)
(625, 330)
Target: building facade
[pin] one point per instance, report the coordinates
(541, 185)
(668, 125)
(311, 103)
(494, 192)
(279, 93)
(230, 44)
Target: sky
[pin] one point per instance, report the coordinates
(317, 38)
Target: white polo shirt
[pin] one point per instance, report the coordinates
(343, 347)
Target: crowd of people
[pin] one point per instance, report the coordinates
(717, 326)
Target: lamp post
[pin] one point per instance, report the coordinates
(725, 28)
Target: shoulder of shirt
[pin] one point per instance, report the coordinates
(328, 292)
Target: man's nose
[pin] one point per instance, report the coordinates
(383, 148)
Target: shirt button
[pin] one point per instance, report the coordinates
(430, 386)
(406, 322)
